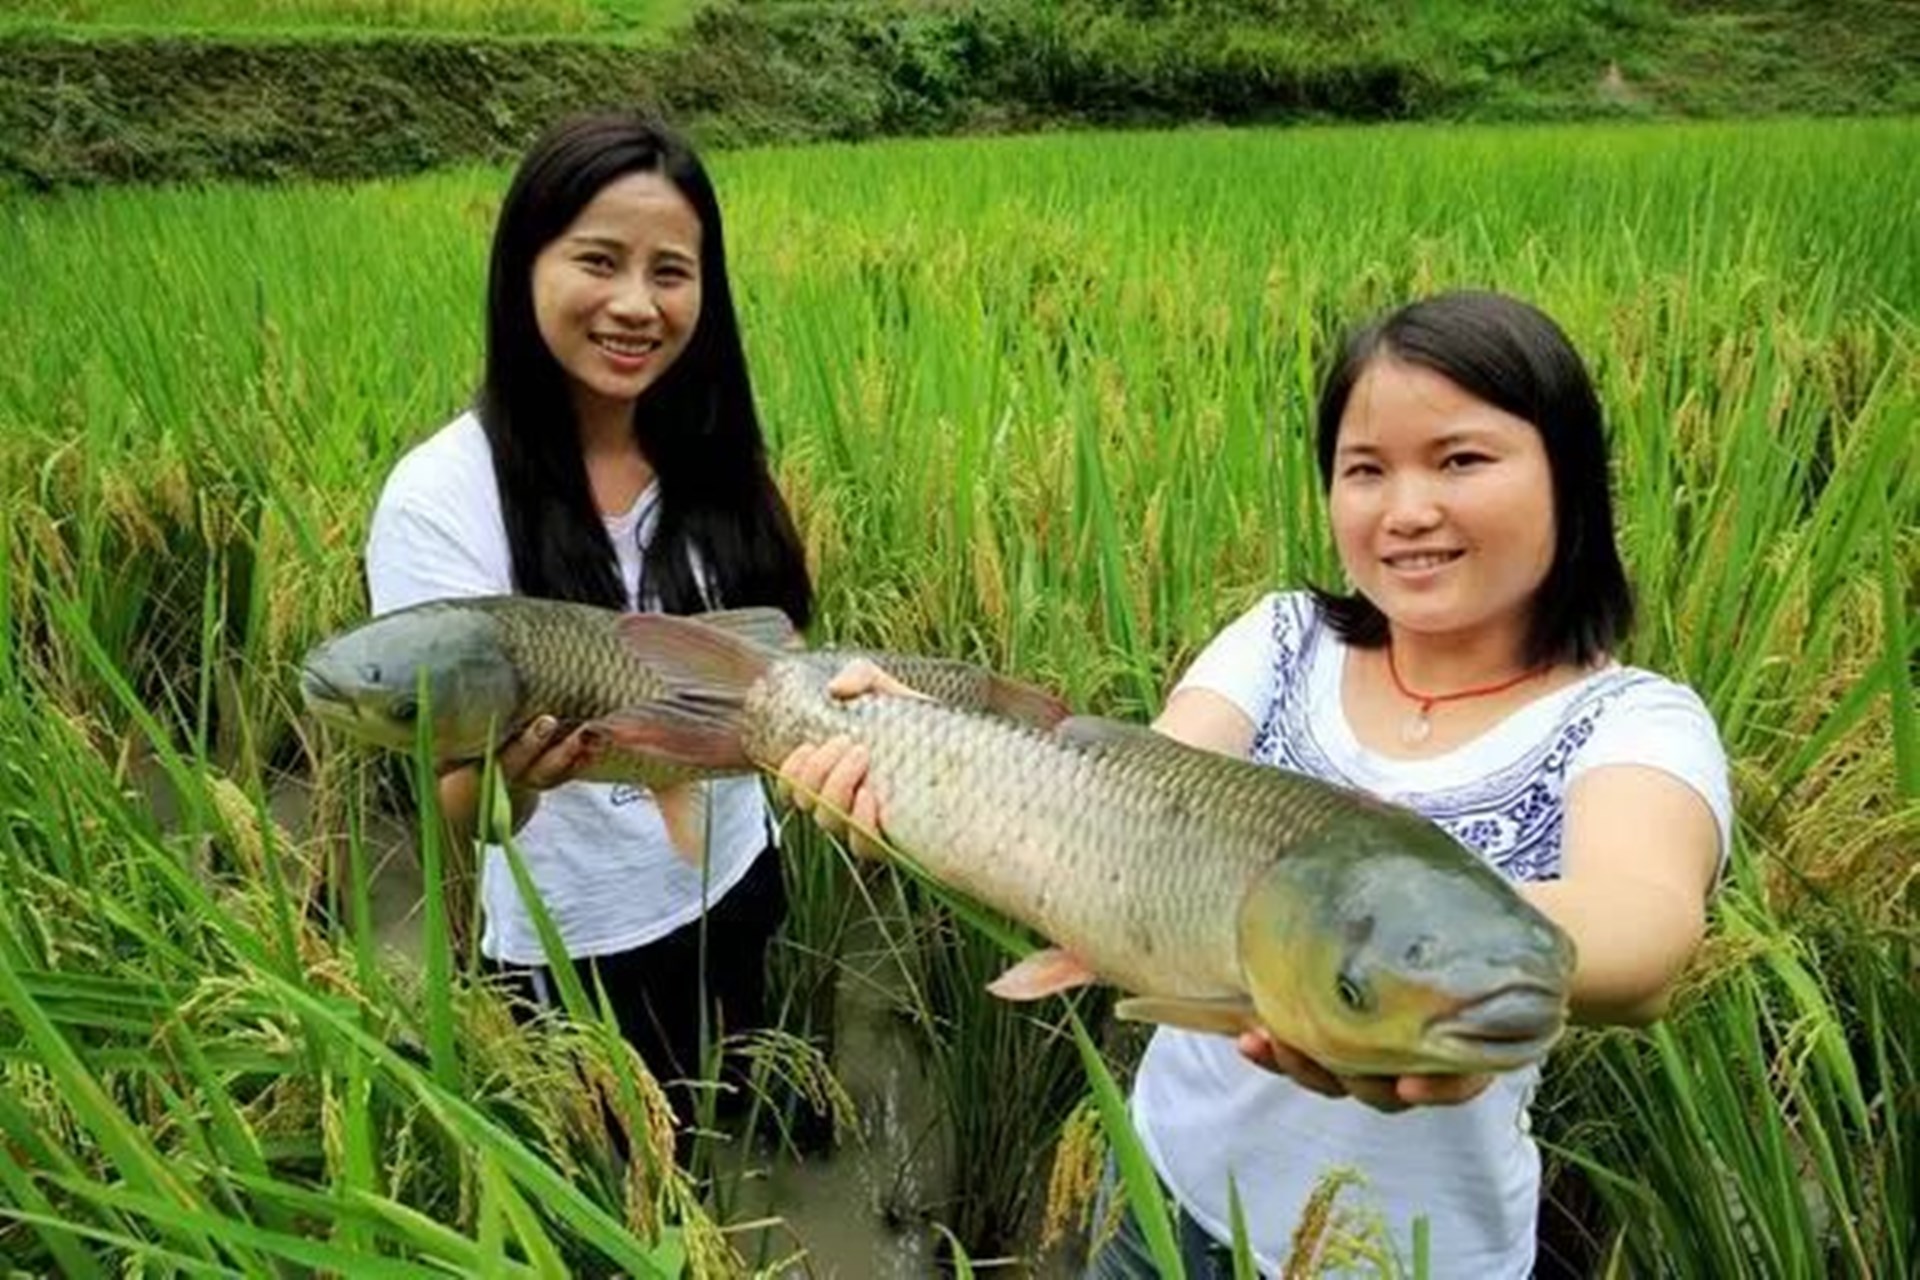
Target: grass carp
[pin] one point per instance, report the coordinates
(1218, 892)
(485, 666)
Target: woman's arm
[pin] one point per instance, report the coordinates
(1640, 853)
(1202, 718)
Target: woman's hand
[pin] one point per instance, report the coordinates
(1382, 1093)
(538, 758)
(828, 780)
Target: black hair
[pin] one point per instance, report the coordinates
(696, 426)
(1512, 356)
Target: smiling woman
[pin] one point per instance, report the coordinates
(1461, 445)
(613, 458)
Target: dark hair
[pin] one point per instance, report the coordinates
(696, 425)
(1512, 356)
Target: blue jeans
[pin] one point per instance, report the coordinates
(1126, 1256)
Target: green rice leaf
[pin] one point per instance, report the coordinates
(1145, 1200)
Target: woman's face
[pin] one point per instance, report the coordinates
(617, 294)
(1442, 504)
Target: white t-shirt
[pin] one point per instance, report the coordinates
(1472, 1170)
(597, 852)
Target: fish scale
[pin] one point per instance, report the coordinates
(572, 663)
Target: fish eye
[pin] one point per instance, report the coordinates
(1353, 993)
(370, 672)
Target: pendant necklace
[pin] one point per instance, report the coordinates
(1419, 725)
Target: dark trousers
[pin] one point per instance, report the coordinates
(655, 989)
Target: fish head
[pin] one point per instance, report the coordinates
(372, 682)
(1382, 946)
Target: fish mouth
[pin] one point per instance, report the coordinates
(323, 697)
(1508, 1027)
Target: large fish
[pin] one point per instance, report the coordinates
(1218, 892)
(485, 666)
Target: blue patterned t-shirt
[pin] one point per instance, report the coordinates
(1511, 809)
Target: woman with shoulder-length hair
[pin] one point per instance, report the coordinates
(1467, 671)
(613, 457)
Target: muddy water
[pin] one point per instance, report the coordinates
(866, 1209)
(869, 1209)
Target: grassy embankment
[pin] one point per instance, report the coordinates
(131, 90)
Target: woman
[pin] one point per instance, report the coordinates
(1468, 674)
(613, 457)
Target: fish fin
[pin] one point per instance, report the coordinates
(972, 687)
(1100, 736)
(684, 808)
(692, 736)
(1025, 703)
(1043, 973)
(1224, 1015)
(765, 626)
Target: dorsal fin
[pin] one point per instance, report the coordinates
(1026, 703)
(970, 687)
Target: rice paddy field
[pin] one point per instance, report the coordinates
(1040, 402)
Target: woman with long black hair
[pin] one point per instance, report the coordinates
(613, 457)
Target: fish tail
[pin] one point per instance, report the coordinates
(708, 669)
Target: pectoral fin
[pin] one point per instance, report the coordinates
(1226, 1015)
(683, 807)
(1043, 973)
(674, 735)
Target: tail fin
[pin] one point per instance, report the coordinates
(708, 671)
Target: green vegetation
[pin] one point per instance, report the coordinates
(1042, 402)
(503, 17)
(132, 90)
